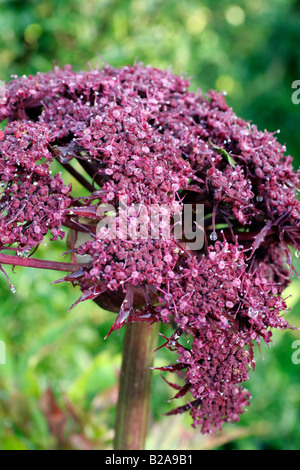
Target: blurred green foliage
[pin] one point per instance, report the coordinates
(60, 375)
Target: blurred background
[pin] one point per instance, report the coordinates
(58, 388)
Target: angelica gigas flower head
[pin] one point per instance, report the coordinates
(138, 134)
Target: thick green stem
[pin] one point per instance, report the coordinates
(135, 384)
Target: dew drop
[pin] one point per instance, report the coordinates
(213, 236)
(23, 254)
(297, 253)
(253, 312)
(259, 198)
(2, 184)
(13, 289)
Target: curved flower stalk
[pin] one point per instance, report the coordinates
(138, 135)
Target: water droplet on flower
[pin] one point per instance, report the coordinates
(297, 254)
(253, 312)
(259, 198)
(213, 236)
(13, 289)
(2, 184)
(23, 254)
